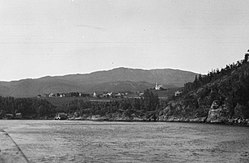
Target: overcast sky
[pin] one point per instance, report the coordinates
(57, 37)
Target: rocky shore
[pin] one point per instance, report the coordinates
(217, 114)
(235, 121)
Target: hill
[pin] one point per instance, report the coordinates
(222, 96)
(119, 79)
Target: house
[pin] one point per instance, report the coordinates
(9, 116)
(177, 93)
(61, 116)
(118, 95)
(141, 94)
(51, 95)
(109, 94)
(158, 87)
(106, 95)
(18, 116)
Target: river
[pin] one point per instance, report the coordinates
(46, 141)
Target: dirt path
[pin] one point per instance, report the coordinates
(9, 150)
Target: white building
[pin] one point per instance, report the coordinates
(158, 87)
(177, 93)
(94, 94)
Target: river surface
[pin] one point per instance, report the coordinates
(48, 141)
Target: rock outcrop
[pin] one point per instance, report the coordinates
(218, 113)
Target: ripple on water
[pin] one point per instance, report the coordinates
(82, 141)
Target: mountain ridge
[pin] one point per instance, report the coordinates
(100, 79)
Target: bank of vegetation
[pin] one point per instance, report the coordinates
(145, 108)
(25, 108)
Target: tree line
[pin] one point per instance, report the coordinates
(148, 105)
(35, 108)
(215, 74)
(30, 108)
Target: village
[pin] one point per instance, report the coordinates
(158, 89)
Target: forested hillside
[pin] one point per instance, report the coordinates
(220, 96)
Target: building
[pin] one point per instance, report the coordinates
(158, 87)
(51, 95)
(9, 116)
(61, 116)
(18, 116)
(177, 93)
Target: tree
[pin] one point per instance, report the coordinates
(151, 100)
(246, 57)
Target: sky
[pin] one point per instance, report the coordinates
(57, 37)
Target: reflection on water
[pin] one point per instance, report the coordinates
(83, 141)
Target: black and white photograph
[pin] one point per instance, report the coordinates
(124, 81)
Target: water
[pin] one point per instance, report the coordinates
(139, 142)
